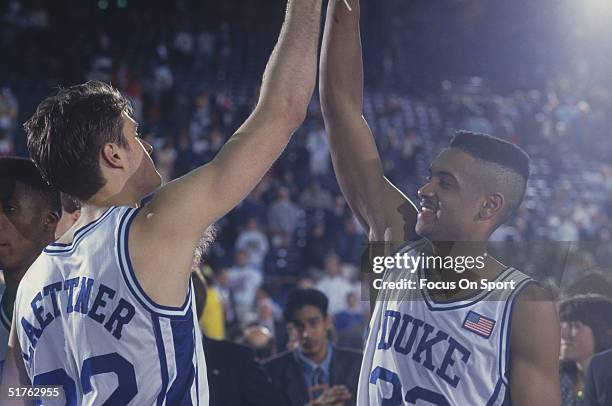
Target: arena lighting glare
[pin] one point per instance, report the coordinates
(598, 6)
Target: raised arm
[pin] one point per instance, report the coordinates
(375, 201)
(168, 228)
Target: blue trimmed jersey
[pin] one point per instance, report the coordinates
(423, 352)
(5, 329)
(84, 322)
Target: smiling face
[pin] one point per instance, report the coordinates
(26, 225)
(451, 199)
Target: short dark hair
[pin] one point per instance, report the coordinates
(298, 298)
(591, 310)
(70, 204)
(508, 160)
(67, 132)
(492, 149)
(23, 170)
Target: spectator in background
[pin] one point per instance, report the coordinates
(8, 120)
(586, 329)
(283, 214)
(226, 297)
(7, 146)
(350, 323)
(598, 387)
(411, 148)
(243, 280)
(165, 156)
(316, 248)
(316, 198)
(269, 315)
(71, 211)
(334, 285)
(260, 340)
(228, 363)
(351, 245)
(316, 371)
(316, 144)
(212, 321)
(254, 242)
(253, 207)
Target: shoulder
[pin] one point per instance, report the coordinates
(601, 361)
(349, 357)
(534, 318)
(534, 304)
(41, 270)
(349, 353)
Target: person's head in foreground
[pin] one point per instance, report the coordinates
(473, 187)
(86, 144)
(305, 313)
(30, 212)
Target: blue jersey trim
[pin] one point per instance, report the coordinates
(197, 374)
(504, 347)
(4, 318)
(465, 301)
(127, 271)
(184, 348)
(496, 392)
(58, 248)
(161, 352)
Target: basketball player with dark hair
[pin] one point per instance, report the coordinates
(442, 346)
(108, 311)
(30, 213)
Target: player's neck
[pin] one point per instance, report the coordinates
(112, 195)
(319, 357)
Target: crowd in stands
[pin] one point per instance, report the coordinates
(192, 84)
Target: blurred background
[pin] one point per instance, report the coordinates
(533, 72)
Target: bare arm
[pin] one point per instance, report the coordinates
(14, 373)
(535, 341)
(165, 233)
(375, 201)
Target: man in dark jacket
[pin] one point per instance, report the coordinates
(598, 390)
(316, 373)
(235, 378)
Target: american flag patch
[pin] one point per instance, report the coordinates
(479, 324)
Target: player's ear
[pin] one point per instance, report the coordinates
(75, 216)
(112, 156)
(492, 206)
(50, 220)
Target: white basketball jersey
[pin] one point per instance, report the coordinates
(84, 323)
(422, 352)
(5, 329)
